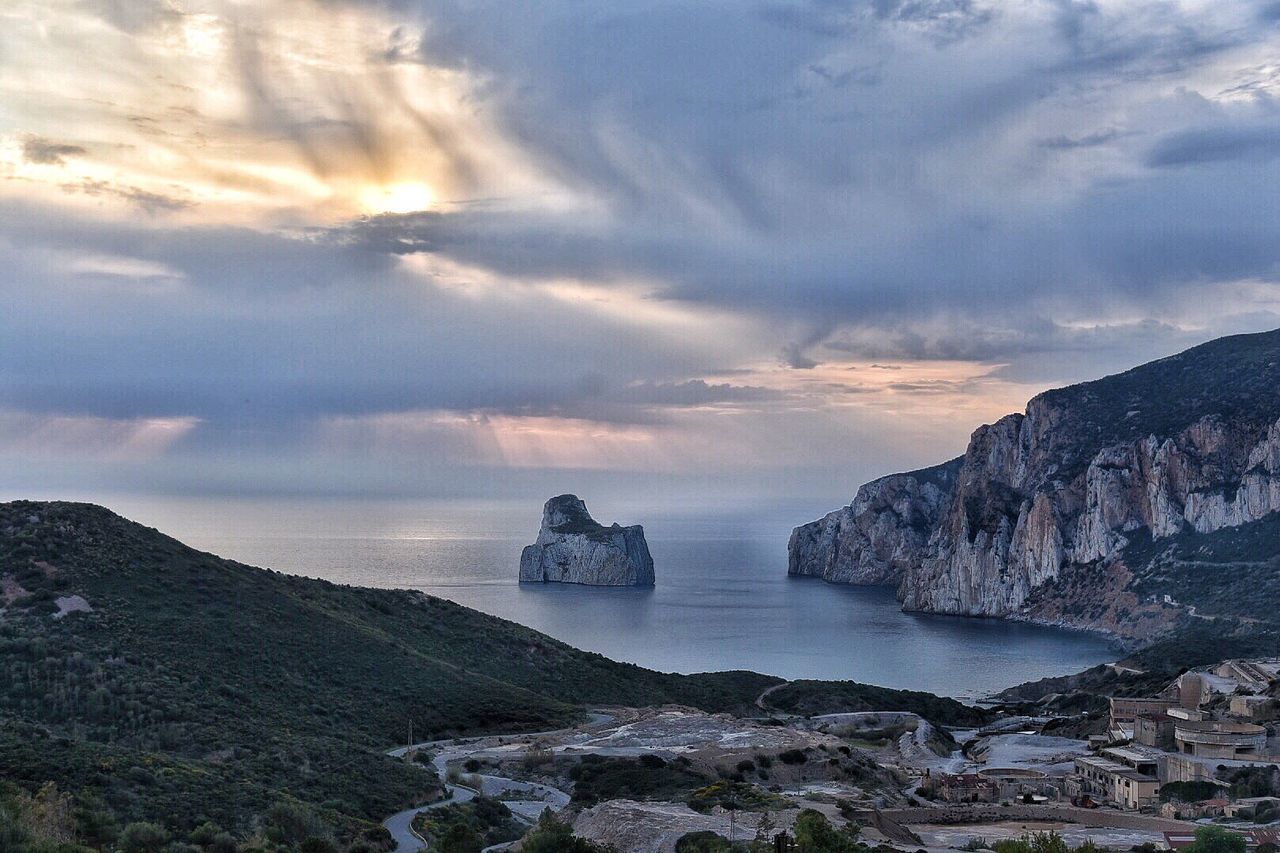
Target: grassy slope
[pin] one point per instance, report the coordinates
(1236, 378)
(1231, 572)
(822, 697)
(197, 674)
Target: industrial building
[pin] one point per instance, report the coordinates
(1125, 710)
(1219, 739)
(1108, 781)
(1154, 731)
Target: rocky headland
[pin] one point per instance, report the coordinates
(1078, 511)
(573, 547)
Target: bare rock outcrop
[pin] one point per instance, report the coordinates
(875, 538)
(1011, 526)
(1040, 500)
(573, 547)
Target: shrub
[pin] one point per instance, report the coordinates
(553, 836)
(142, 837)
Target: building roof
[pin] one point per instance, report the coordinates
(1132, 753)
(1253, 837)
(1221, 727)
(1115, 768)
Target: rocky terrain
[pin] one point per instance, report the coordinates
(573, 547)
(876, 538)
(1050, 514)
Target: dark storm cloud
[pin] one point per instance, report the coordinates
(873, 180)
(742, 170)
(260, 334)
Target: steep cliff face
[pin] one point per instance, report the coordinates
(1011, 526)
(1188, 444)
(875, 538)
(573, 547)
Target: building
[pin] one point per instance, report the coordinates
(1194, 690)
(965, 788)
(1146, 761)
(1014, 783)
(1181, 768)
(1253, 838)
(1219, 739)
(1250, 675)
(1253, 707)
(1105, 780)
(1154, 730)
(1186, 713)
(1247, 807)
(1124, 711)
(1193, 811)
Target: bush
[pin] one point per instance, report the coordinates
(815, 834)
(793, 756)
(553, 836)
(733, 795)
(596, 780)
(143, 837)
(704, 841)
(1187, 792)
(1215, 839)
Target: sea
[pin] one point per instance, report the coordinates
(722, 600)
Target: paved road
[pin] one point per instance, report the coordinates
(400, 824)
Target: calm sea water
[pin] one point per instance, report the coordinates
(722, 600)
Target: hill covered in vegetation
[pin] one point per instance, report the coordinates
(167, 685)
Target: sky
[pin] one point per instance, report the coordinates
(706, 251)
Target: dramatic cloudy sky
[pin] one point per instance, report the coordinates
(765, 247)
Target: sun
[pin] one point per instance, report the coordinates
(408, 197)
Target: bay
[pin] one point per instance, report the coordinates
(722, 600)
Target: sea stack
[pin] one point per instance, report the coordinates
(573, 547)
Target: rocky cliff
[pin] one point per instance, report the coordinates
(1042, 506)
(573, 547)
(874, 539)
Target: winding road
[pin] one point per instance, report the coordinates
(400, 824)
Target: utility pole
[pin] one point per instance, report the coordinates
(408, 747)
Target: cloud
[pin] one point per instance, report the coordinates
(47, 152)
(1216, 144)
(1088, 140)
(793, 356)
(664, 222)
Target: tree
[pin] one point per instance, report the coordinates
(142, 837)
(461, 839)
(1215, 839)
(292, 823)
(765, 828)
(1049, 842)
(553, 835)
(815, 834)
(704, 841)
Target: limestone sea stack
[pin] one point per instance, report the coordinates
(573, 547)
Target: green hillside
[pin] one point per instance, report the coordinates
(1234, 378)
(199, 688)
